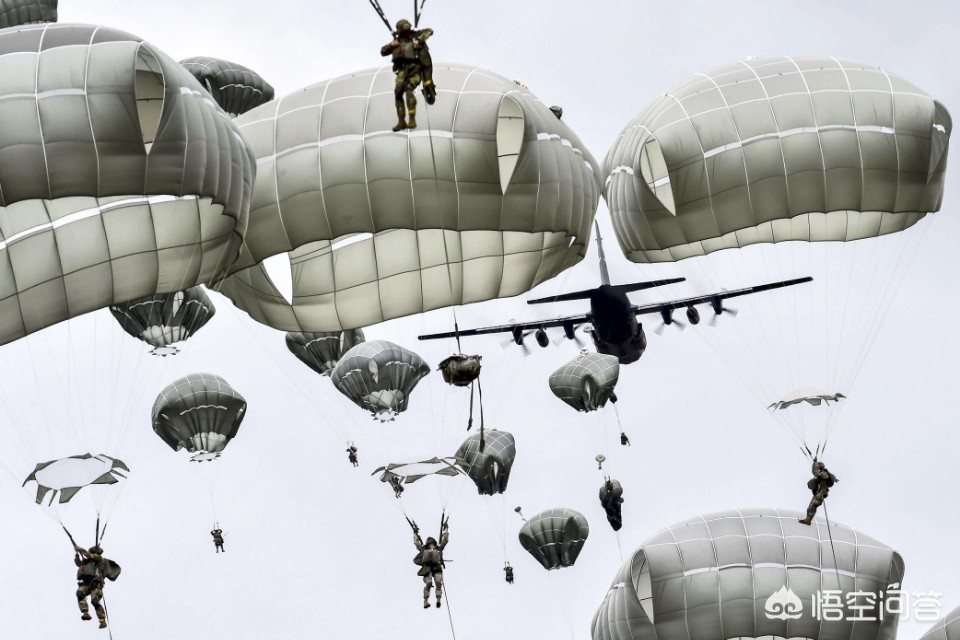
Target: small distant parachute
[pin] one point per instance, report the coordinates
(754, 574)
(14, 13)
(586, 383)
(322, 351)
(555, 537)
(378, 376)
(164, 319)
(946, 628)
(408, 472)
(809, 395)
(233, 86)
(487, 460)
(67, 476)
(200, 412)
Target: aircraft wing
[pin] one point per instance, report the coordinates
(533, 325)
(715, 299)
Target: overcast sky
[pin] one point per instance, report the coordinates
(316, 548)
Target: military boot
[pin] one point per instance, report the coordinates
(401, 124)
(430, 91)
(103, 623)
(412, 120)
(426, 603)
(806, 520)
(86, 616)
(438, 603)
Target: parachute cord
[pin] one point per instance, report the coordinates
(446, 595)
(376, 7)
(436, 187)
(836, 566)
(106, 616)
(417, 12)
(470, 419)
(619, 547)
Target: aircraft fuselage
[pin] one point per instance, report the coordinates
(616, 331)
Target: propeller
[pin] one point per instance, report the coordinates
(511, 339)
(713, 319)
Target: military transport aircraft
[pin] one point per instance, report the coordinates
(613, 318)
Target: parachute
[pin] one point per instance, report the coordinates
(200, 412)
(379, 376)
(164, 319)
(104, 199)
(322, 351)
(555, 537)
(67, 476)
(749, 573)
(14, 13)
(946, 628)
(487, 458)
(233, 86)
(586, 382)
(408, 472)
(490, 197)
(778, 167)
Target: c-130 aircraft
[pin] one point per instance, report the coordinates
(615, 327)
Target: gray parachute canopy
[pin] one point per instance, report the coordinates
(167, 318)
(322, 351)
(200, 412)
(489, 468)
(555, 537)
(67, 476)
(120, 178)
(491, 196)
(378, 376)
(14, 13)
(586, 382)
(233, 86)
(747, 573)
(776, 149)
(946, 628)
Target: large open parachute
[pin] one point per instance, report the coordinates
(491, 196)
(120, 178)
(408, 472)
(750, 573)
(778, 167)
(200, 412)
(14, 13)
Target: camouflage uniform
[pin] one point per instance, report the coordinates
(412, 64)
(90, 583)
(509, 574)
(352, 456)
(820, 485)
(432, 572)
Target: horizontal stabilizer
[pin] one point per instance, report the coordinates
(588, 293)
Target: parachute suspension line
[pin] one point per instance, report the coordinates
(443, 231)
(376, 7)
(910, 248)
(106, 616)
(417, 12)
(446, 591)
(836, 567)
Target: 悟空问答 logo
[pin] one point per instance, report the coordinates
(783, 605)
